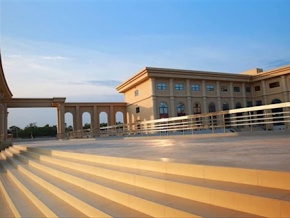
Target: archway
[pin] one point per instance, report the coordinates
(69, 126)
(103, 118)
(86, 121)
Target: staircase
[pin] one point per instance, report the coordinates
(35, 182)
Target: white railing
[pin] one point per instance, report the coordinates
(263, 118)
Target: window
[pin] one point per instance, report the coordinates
(258, 103)
(209, 88)
(195, 87)
(136, 92)
(196, 108)
(248, 89)
(179, 86)
(249, 104)
(180, 109)
(211, 107)
(237, 89)
(257, 88)
(163, 110)
(274, 85)
(161, 86)
(225, 106)
(137, 110)
(224, 88)
(238, 105)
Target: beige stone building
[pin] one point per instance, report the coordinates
(155, 93)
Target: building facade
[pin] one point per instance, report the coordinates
(155, 93)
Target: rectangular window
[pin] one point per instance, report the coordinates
(274, 85)
(257, 88)
(195, 87)
(224, 88)
(136, 92)
(209, 88)
(161, 86)
(137, 110)
(258, 103)
(179, 86)
(237, 89)
(249, 104)
(248, 89)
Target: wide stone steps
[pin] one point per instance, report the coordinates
(66, 184)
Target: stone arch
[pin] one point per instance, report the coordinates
(69, 124)
(86, 120)
(104, 119)
(119, 117)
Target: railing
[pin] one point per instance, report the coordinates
(263, 118)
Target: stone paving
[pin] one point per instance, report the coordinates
(261, 150)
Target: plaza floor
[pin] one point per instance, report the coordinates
(261, 150)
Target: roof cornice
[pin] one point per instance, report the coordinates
(3, 83)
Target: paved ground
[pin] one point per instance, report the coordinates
(253, 150)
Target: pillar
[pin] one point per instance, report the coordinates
(154, 100)
(203, 89)
(284, 88)
(2, 122)
(60, 121)
(172, 101)
(188, 97)
(111, 116)
(264, 92)
(232, 102)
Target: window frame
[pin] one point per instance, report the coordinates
(209, 87)
(179, 86)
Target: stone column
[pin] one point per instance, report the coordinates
(154, 100)
(111, 118)
(95, 120)
(60, 121)
(188, 97)
(218, 91)
(2, 122)
(264, 92)
(203, 89)
(244, 95)
(232, 103)
(172, 102)
(78, 119)
(284, 88)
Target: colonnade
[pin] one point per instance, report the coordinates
(94, 109)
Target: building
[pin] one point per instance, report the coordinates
(155, 93)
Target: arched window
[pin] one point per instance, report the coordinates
(227, 116)
(163, 110)
(180, 109)
(226, 106)
(211, 107)
(277, 113)
(238, 105)
(196, 108)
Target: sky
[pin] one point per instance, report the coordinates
(82, 49)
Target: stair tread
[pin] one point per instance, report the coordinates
(190, 206)
(4, 206)
(222, 185)
(22, 203)
(109, 207)
(59, 207)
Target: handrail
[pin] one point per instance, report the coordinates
(265, 117)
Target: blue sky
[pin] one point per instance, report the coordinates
(82, 49)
